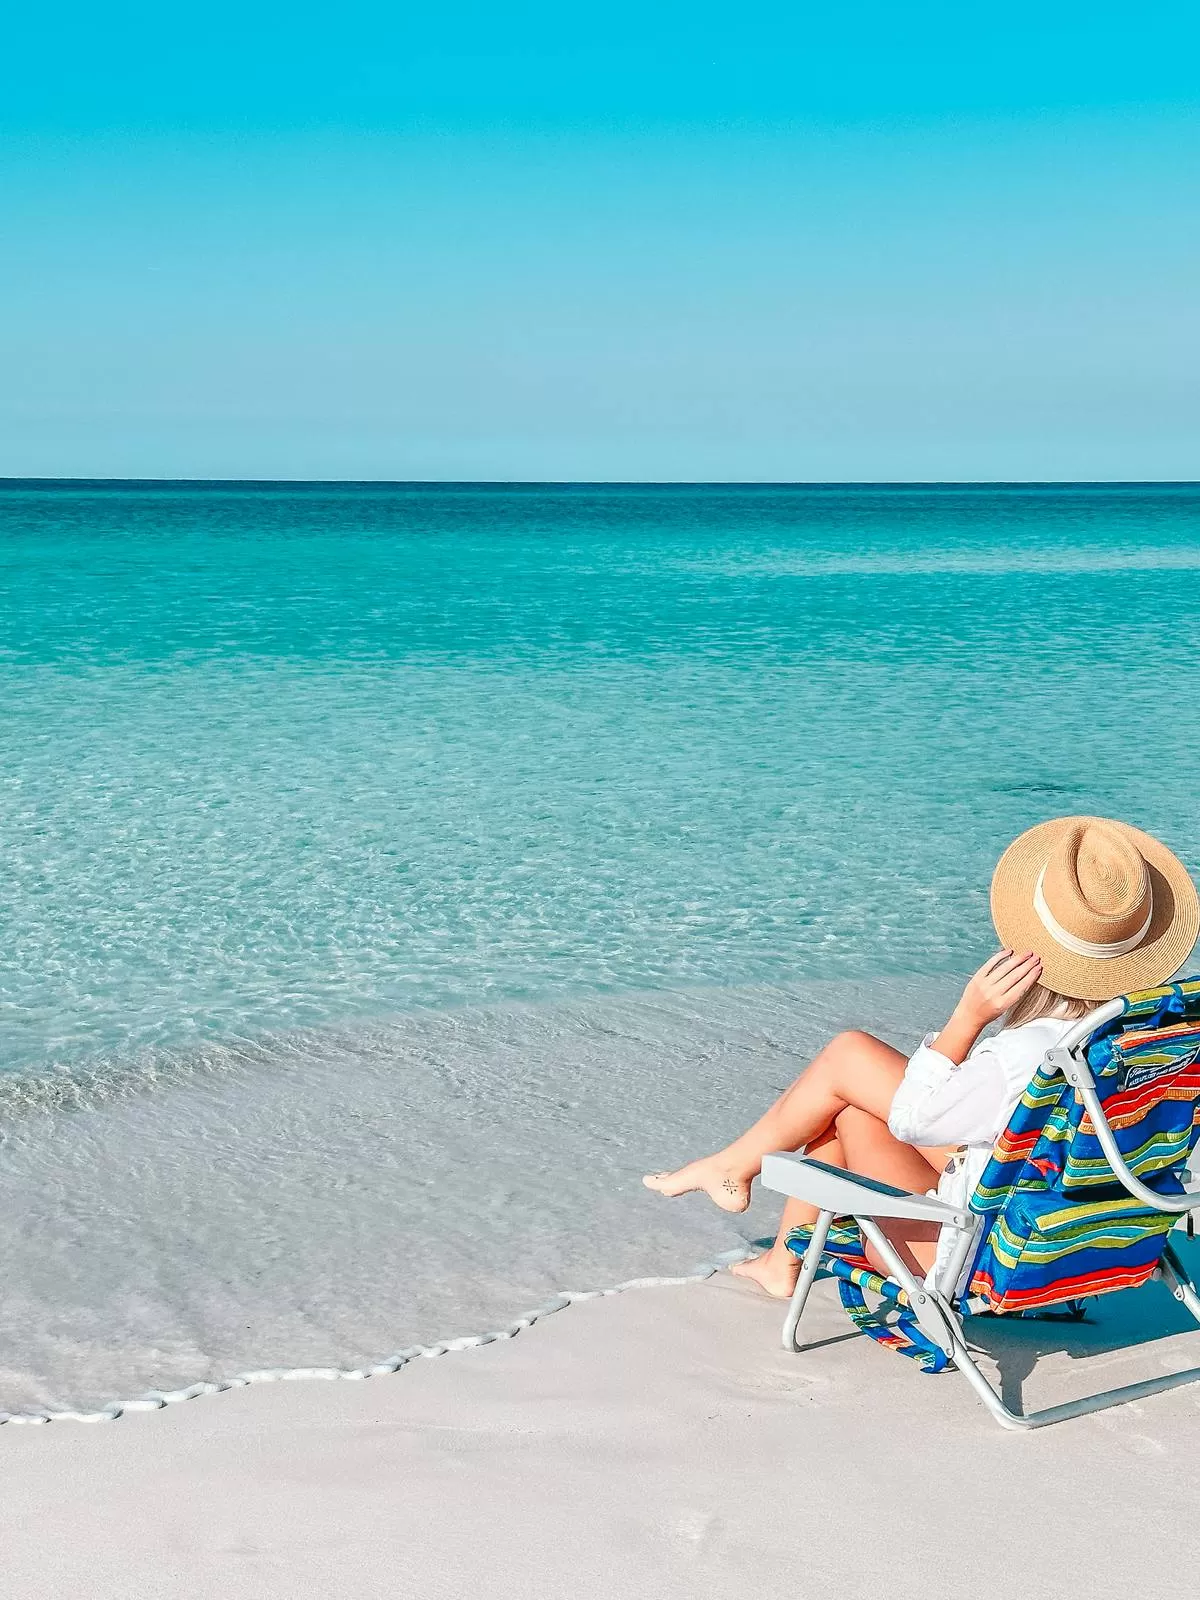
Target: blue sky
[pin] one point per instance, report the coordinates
(767, 242)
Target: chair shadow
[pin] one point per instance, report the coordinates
(1116, 1322)
(1122, 1321)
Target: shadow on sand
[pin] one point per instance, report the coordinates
(1117, 1323)
(1114, 1324)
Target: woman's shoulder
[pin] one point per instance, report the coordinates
(1032, 1037)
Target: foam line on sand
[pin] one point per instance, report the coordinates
(657, 1445)
(320, 1198)
(157, 1399)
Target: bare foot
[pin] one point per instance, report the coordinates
(718, 1183)
(774, 1271)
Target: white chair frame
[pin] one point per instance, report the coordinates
(936, 1306)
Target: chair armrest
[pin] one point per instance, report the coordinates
(848, 1195)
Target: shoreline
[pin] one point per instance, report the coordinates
(157, 1400)
(352, 1193)
(658, 1443)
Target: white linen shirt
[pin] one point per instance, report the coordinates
(941, 1103)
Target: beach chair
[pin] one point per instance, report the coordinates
(1078, 1200)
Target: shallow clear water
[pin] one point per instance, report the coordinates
(278, 756)
(292, 764)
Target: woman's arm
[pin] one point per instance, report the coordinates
(998, 984)
(939, 1101)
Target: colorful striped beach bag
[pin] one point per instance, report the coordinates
(1058, 1225)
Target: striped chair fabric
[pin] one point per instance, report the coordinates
(1062, 1227)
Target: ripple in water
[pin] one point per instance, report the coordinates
(342, 822)
(330, 1196)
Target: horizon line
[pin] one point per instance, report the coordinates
(13, 481)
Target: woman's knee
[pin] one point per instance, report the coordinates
(864, 1073)
(853, 1042)
(848, 1050)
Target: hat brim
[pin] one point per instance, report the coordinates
(1174, 923)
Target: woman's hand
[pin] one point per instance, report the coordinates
(998, 984)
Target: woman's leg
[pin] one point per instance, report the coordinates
(873, 1151)
(777, 1269)
(854, 1070)
(861, 1144)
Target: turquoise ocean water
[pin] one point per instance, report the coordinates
(282, 755)
(309, 790)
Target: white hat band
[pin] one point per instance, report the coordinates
(1084, 947)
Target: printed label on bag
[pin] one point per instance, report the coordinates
(1135, 1076)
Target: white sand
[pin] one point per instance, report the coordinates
(658, 1443)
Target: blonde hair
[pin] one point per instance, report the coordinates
(1042, 1002)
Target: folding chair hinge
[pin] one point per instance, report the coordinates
(935, 1319)
(1074, 1069)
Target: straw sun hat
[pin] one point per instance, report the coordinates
(1108, 908)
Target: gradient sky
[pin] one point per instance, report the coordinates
(868, 241)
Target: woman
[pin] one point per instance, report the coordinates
(1087, 909)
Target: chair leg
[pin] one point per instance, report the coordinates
(1184, 1291)
(808, 1272)
(1181, 1286)
(937, 1317)
(1072, 1408)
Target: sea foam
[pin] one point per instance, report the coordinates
(323, 1198)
